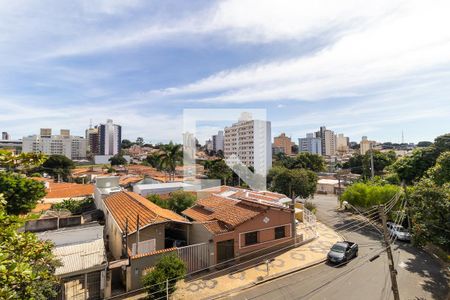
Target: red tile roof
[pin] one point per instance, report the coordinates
(66, 190)
(128, 205)
(229, 211)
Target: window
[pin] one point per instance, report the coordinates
(280, 232)
(251, 238)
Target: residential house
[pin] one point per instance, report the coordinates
(237, 222)
(136, 227)
(83, 272)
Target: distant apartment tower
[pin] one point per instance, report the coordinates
(73, 147)
(250, 141)
(365, 145)
(328, 141)
(218, 141)
(283, 143)
(110, 138)
(93, 140)
(342, 143)
(5, 136)
(310, 144)
(209, 145)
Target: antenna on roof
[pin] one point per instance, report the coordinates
(90, 123)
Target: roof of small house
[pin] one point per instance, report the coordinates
(126, 205)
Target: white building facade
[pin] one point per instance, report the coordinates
(218, 141)
(110, 138)
(310, 144)
(73, 147)
(250, 142)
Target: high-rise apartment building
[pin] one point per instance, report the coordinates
(93, 140)
(310, 144)
(218, 141)
(365, 145)
(328, 140)
(283, 143)
(250, 141)
(73, 147)
(5, 136)
(110, 138)
(342, 144)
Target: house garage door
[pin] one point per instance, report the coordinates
(225, 251)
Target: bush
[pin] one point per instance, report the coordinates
(368, 194)
(169, 267)
(76, 207)
(310, 206)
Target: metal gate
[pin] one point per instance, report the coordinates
(196, 257)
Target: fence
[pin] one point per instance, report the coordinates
(195, 256)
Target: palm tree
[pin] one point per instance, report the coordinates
(170, 156)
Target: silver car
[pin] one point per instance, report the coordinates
(399, 232)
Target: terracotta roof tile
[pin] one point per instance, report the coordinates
(216, 227)
(228, 211)
(128, 205)
(66, 190)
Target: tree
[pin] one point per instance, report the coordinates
(154, 160)
(310, 161)
(424, 144)
(170, 156)
(140, 141)
(158, 200)
(58, 166)
(180, 200)
(27, 264)
(218, 169)
(368, 194)
(429, 209)
(361, 164)
(21, 193)
(126, 144)
(293, 183)
(442, 144)
(169, 268)
(117, 160)
(412, 168)
(22, 161)
(440, 173)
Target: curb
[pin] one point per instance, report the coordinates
(268, 279)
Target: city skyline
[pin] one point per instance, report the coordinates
(373, 71)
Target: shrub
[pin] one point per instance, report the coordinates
(169, 267)
(368, 194)
(74, 206)
(310, 206)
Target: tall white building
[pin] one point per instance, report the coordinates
(218, 141)
(250, 141)
(328, 140)
(110, 138)
(73, 147)
(310, 144)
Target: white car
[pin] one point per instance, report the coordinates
(399, 232)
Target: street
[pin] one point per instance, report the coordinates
(420, 276)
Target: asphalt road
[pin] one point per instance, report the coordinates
(420, 276)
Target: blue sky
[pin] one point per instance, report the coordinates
(358, 67)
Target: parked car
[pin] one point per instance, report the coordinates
(342, 252)
(398, 231)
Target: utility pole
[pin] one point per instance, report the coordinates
(387, 243)
(294, 225)
(371, 161)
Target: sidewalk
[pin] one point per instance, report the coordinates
(292, 260)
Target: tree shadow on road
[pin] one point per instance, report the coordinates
(434, 278)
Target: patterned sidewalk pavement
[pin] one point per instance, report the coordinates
(289, 261)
